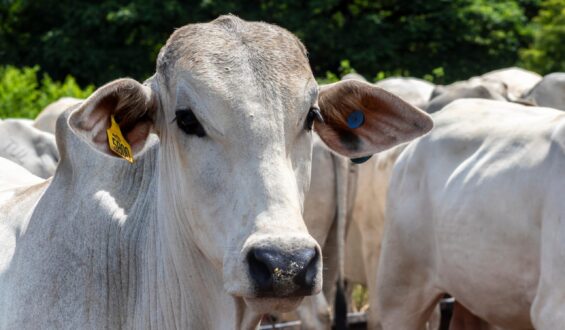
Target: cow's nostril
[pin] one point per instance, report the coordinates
(259, 270)
(305, 279)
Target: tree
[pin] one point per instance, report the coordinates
(547, 52)
(96, 41)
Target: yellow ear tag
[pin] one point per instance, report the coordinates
(117, 143)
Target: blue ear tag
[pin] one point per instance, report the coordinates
(356, 119)
(361, 160)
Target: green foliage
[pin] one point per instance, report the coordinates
(23, 95)
(344, 68)
(97, 41)
(547, 52)
(436, 76)
(94, 41)
(359, 297)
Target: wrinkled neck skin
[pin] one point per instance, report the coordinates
(181, 288)
(136, 265)
(177, 286)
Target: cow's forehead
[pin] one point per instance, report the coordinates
(229, 46)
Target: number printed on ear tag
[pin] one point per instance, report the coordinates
(356, 119)
(117, 142)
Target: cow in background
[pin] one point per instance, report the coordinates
(549, 92)
(28, 147)
(474, 210)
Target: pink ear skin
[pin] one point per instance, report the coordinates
(388, 120)
(132, 104)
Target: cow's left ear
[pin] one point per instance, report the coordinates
(133, 107)
(361, 119)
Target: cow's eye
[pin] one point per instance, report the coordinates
(187, 122)
(313, 114)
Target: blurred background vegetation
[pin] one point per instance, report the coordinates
(50, 48)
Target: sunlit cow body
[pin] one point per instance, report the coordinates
(475, 210)
(358, 193)
(204, 230)
(321, 216)
(517, 80)
(549, 92)
(476, 87)
(47, 118)
(412, 90)
(29, 147)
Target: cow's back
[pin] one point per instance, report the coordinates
(47, 118)
(549, 92)
(29, 147)
(468, 200)
(19, 192)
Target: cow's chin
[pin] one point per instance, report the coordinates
(269, 305)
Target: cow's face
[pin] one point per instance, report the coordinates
(236, 131)
(234, 104)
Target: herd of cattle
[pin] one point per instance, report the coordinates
(213, 224)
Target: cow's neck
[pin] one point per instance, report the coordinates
(179, 287)
(150, 278)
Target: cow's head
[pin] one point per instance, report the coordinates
(234, 104)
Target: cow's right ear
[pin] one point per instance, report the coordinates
(133, 107)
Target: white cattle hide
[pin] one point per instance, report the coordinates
(517, 80)
(476, 87)
(29, 147)
(412, 90)
(475, 210)
(47, 118)
(549, 92)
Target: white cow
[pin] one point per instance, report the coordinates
(29, 147)
(476, 87)
(14, 175)
(518, 80)
(337, 188)
(367, 225)
(365, 195)
(412, 90)
(47, 118)
(549, 92)
(323, 216)
(205, 229)
(365, 231)
(354, 76)
(475, 210)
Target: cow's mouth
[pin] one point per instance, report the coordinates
(266, 305)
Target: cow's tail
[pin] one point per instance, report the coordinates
(340, 305)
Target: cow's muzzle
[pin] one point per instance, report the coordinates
(279, 273)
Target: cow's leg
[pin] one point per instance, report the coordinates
(373, 315)
(435, 319)
(371, 257)
(406, 307)
(406, 302)
(547, 311)
(406, 291)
